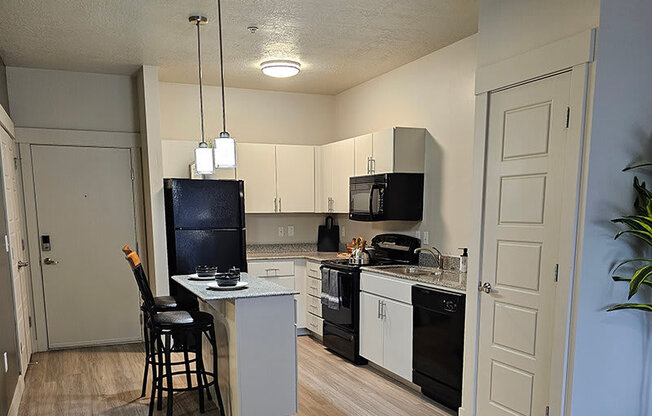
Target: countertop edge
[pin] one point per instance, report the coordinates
(373, 269)
(208, 296)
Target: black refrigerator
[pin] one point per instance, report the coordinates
(205, 224)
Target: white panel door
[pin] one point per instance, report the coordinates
(17, 247)
(257, 168)
(295, 178)
(85, 204)
(525, 145)
(383, 161)
(371, 328)
(397, 335)
(363, 154)
(342, 170)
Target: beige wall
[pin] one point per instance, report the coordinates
(263, 228)
(253, 116)
(511, 27)
(67, 100)
(435, 92)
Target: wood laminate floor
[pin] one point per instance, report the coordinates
(106, 381)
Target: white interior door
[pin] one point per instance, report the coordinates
(525, 170)
(257, 168)
(17, 246)
(295, 178)
(85, 204)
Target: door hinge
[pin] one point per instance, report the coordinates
(547, 410)
(6, 243)
(556, 272)
(15, 163)
(133, 175)
(22, 243)
(29, 321)
(567, 117)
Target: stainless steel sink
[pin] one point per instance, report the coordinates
(414, 270)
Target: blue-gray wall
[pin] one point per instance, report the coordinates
(613, 351)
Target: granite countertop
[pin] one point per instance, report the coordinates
(448, 279)
(288, 251)
(258, 287)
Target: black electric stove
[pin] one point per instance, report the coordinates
(342, 321)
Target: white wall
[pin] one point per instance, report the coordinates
(44, 98)
(263, 228)
(435, 92)
(511, 27)
(612, 361)
(253, 116)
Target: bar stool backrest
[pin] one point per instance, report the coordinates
(141, 279)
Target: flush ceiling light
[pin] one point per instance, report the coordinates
(280, 68)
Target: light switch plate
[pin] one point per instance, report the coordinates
(342, 231)
(290, 230)
(281, 231)
(425, 237)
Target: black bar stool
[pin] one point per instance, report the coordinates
(184, 325)
(161, 304)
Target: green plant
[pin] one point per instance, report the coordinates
(639, 226)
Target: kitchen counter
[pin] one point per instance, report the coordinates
(256, 342)
(447, 280)
(258, 287)
(288, 251)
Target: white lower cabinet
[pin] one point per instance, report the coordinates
(386, 327)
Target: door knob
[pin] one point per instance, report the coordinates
(486, 288)
(48, 260)
(22, 264)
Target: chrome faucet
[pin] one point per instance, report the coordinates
(436, 256)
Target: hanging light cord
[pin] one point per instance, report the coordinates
(219, 22)
(201, 90)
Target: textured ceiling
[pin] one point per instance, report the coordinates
(340, 43)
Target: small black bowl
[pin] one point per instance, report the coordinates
(206, 271)
(227, 279)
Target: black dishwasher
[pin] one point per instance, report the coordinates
(438, 344)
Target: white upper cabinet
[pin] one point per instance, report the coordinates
(257, 168)
(363, 154)
(336, 167)
(295, 178)
(399, 149)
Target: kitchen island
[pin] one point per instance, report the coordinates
(256, 342)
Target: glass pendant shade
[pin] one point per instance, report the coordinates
(204, 159)
(224, 152)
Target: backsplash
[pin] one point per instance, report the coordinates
(281, 248)
(449, 262)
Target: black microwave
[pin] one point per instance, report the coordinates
(386, 197)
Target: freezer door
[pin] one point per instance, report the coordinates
(221, 248)
(204, 204)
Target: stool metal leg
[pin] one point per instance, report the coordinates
(168, 370)
(200, 385)
(159, 403)
(152, 347)
(202, 370)
(213, 341)
(144, 389)
(185, 357)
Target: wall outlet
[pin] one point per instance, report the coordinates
(6, 362)
(290, 230)
(418, 234)
(342, 231)
(425, 237)
(281, 231)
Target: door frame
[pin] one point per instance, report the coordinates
(27, 137)
(574, 55)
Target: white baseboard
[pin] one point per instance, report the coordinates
(18, 394)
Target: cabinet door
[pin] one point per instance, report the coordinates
(363, 151)
(257, 168)
(295, 178)
(397, 335)
(371, 328)
(342, 165)
(326, 174)
(383, 158)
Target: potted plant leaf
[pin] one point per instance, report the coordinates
(639, 226)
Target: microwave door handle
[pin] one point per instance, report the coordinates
(371, 200)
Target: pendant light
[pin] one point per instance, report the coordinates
(224, 145)
(203, 154)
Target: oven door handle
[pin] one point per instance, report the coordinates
(371, 199)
